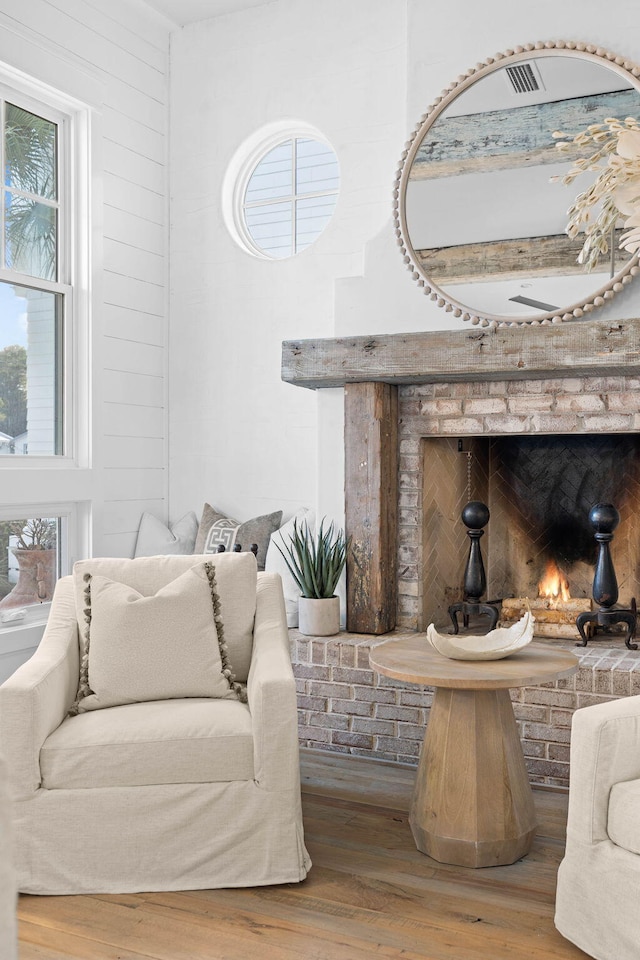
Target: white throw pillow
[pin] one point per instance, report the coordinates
(158, 647)
(276, 563)
(155, 538)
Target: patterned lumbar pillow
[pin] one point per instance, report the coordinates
(155, 538)
(158, 647)
(218, 529)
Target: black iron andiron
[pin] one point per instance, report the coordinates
(475, 516)
(604, 518)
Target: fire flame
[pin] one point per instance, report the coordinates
(554, 584)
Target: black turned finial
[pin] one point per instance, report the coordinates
(237, 548)
(604, 519)
(475, 515)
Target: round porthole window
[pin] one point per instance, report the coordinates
(285, 193)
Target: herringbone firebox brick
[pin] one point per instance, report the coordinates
(346, 707)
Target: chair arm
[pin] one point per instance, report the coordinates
(271, 691)
(605, 749)
(8, 882)
(36, 698)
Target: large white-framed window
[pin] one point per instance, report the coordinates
(36, 279)
(45, 263)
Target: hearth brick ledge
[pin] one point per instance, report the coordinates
(345, 707)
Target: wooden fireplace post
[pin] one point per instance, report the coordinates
(371, 505)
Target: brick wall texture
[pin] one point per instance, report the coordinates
(346, 707)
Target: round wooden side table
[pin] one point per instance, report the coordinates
(472, 802)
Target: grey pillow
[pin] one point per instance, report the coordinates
(155, 537)
(217, 528)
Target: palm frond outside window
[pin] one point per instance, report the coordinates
(32, 296)
(31, 193)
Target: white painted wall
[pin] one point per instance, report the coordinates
(363, 72)
(240, 438)
(114, 57)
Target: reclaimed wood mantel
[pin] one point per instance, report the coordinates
(579, 348)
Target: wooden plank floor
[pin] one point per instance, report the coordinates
(370, 894)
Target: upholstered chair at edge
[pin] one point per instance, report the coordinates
(135, 772)
(8, 894)
(599, 878)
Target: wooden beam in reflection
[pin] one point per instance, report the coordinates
(521, 137)
(554, 256)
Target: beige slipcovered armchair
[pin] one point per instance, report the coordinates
(184, 792)
(599, 878)
(8, 895)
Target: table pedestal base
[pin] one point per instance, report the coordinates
(472, 803)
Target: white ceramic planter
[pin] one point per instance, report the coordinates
(319, 618)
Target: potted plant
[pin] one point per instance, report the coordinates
(316, 564)
(36, 555)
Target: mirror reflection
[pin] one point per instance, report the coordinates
(485, 222)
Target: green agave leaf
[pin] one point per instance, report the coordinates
(292, 567)
(291, 563)
(304, 563)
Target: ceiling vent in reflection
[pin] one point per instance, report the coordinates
(524, 78)
(538, 304)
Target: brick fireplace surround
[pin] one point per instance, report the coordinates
(469, 384)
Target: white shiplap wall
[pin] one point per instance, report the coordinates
(113, 56)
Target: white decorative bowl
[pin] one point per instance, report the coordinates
(492, 646)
